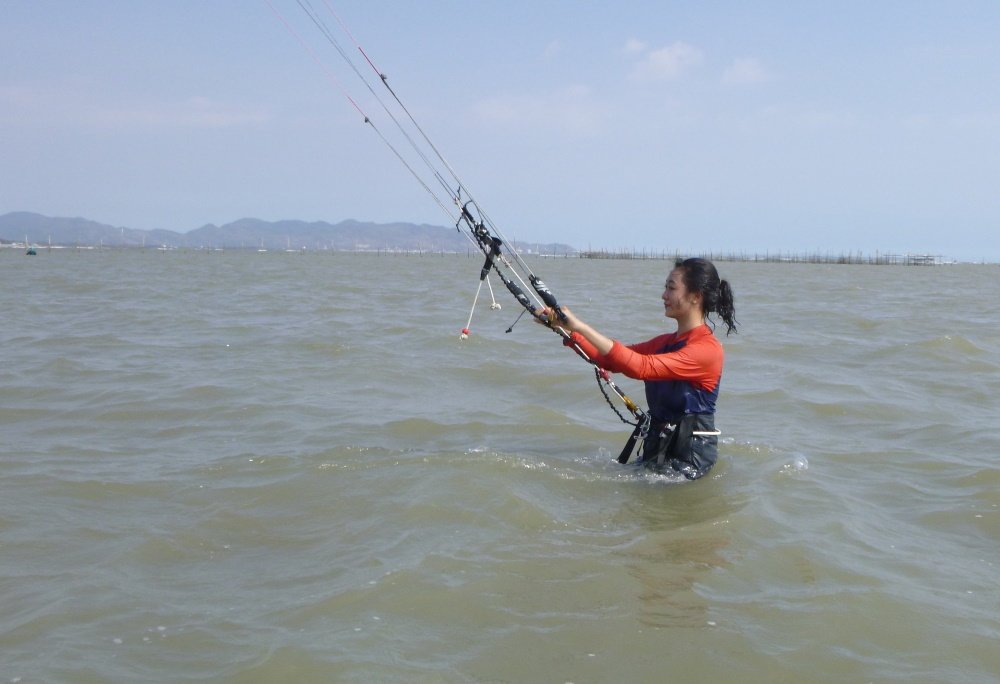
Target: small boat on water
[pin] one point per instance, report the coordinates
(31, 251)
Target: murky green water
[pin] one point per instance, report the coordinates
(287, 467)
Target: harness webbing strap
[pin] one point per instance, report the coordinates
(639, 431)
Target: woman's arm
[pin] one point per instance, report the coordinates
(571, 324)
(698, 361)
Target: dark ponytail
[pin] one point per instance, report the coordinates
(726, 306)
(701, 276)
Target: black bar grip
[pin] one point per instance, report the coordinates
(518, 293)
(467, 215)
(546, 294)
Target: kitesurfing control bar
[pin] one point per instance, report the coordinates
(482, 232)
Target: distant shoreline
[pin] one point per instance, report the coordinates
(877, 259)
(352, 236)
(857, 258)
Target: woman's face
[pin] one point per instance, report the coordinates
(677, 301)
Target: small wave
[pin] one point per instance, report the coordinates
(949, 349)
(797, 465)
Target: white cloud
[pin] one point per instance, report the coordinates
(30, 105)
(811, 119)
(667, 63)
(195, 112)
(72, 104)
(917, 123)
(573, 110)
(979, 122)
(634, 46)
(745, 71)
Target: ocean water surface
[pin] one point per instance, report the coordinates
(243, 467)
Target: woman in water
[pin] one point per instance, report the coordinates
(681, 369)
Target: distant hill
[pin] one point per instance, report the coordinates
(248, 233)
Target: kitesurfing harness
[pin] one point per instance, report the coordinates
(434, 171)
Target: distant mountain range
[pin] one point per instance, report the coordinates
(250, 233)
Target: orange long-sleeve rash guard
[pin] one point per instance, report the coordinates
(688, 365)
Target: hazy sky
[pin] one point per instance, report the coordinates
(728, 126)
